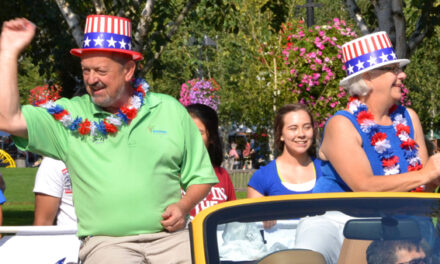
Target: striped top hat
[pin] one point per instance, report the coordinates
(367, 53)
(107, 33)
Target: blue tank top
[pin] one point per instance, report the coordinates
(267, 181)
(332, 182)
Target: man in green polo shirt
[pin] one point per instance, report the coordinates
(128, 151)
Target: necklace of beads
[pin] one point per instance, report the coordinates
(110, 125)
(379, 141)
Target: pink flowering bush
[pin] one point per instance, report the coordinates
(309, 67)
(199, 91)
(405, 100)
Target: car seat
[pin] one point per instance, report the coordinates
(293, 256)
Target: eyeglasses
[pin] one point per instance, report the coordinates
(395, 69)
(425, 260)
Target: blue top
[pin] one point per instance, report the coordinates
(2, 198)
(268, 182)
(332, 182)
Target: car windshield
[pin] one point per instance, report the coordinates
(404, 229)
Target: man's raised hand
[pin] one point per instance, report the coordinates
(16, 35)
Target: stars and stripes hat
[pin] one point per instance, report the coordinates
(367, 53)
(107, 33)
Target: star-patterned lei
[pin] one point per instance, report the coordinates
(381, 144)
(110, 125)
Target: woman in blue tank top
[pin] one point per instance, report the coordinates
(295, 170)
(373, 136)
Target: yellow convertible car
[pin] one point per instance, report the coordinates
(320, 228)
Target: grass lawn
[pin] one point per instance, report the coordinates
(240, 195)
(19, 206)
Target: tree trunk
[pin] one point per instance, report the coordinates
(72, 20)
(355, 14)
(400, 44)
(99, 7)
(382, 8)
(143, 26)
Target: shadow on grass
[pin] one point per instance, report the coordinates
(17, 217)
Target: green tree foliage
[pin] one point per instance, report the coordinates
(28, 78)
(237, 28)
(423, 81)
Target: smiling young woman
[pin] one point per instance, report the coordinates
(295, 170)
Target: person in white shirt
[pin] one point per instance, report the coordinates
(53, 194)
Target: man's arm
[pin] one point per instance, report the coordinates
(16, 35)
(46, 208)
(196, 176)
(175, 214)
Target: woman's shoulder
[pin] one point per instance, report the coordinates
(266, 169)
(264, 177)
(341, 121)
(341, 116)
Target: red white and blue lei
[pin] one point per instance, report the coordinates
(110, 125)
(379, 141)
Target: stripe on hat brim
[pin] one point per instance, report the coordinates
(136, 56)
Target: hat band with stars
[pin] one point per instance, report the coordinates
(370, 59)
(104, 33)
(106, 40)
(367, 53)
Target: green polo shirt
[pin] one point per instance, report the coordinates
(123, 183)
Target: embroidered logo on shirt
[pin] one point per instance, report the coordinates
(157, 131)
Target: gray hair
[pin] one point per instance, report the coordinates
(357, 86)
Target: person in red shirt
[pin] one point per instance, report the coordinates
(206, 120)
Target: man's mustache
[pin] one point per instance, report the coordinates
(98, 85)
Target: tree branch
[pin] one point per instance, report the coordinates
(143, 26)
(99, 7)
(72, 20)
(416, 37)
(189, 5)
(356, 15)
(136, 3)
(181, 16)
(421, 29)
